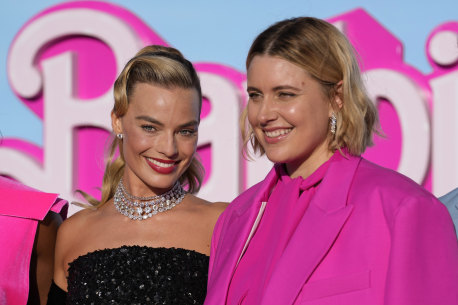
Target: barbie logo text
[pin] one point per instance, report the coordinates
(63, 62)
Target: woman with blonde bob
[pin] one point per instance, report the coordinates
(147, 240)
(325, 226)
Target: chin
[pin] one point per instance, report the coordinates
(276, 157)
(162, 183)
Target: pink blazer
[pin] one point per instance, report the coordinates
(370, 236)
(21, 208)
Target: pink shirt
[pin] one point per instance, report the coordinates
(284, 210)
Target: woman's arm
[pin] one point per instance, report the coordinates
(42, 260)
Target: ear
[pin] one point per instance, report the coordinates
(338, 96)
(116, 123)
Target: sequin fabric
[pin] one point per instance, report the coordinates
(138, 275)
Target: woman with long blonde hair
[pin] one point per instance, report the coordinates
(147, 240)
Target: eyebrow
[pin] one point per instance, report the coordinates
(149, 119)
(252, 89)
(154, 121)
(284, 87)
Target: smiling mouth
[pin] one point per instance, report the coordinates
(161, 164)
(164, 167)
(277, 133)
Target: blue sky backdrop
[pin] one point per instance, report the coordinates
(221, 32)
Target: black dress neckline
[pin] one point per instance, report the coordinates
(138, 247)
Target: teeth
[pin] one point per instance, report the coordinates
(160, 163)
(276, 133)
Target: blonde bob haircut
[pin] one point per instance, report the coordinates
(160, 66)
(325, 53)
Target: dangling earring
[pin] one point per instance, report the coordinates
(333, 123)
(119, 136)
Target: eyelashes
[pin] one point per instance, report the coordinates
(187, 132)
(148, 128)
(286, 94)
(279, 95)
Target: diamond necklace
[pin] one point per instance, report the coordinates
(139, 208)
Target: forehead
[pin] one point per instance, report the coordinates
(266, 69)
(159, 102)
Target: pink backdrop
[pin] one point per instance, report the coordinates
(63, 62)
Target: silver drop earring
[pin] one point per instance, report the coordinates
(333, 123)
(119, 136)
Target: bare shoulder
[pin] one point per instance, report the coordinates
(75, 223)
(210, 209)
(201, 216)
(69, 236)
(74, 229)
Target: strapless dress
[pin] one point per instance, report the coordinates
(136, 275)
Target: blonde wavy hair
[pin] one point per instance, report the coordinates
(325, 53)
(158, 65)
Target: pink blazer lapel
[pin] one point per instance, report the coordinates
(238, 226)
(315, 235)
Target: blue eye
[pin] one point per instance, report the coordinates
(253, 95)
(149, 128)
(286, 94)
(188, 132)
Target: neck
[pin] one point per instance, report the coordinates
(308, 166)
(136, 187)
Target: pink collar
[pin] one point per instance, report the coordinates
(18, 200)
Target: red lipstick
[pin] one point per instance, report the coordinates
(162, 169)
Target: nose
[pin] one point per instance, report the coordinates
(167, 145)
(266, 111)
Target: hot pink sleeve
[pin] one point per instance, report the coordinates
(423, 263)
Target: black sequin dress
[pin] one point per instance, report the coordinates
(138, 275)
